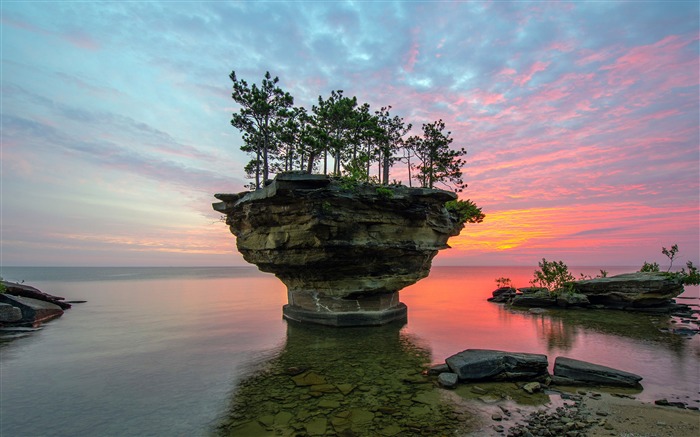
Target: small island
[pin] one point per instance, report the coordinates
(344, 251)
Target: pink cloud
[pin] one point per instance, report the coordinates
(534, 68)
(413, 52)
(487, 98)
(663, 60)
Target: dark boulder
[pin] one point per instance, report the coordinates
(539, 299)
(34, 311)
(32, 293)
(448, 379)
(484, 364)
(576, 372)
(502, 294)
(566, 300)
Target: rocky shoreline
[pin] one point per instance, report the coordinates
(23, 306)
(576, 404)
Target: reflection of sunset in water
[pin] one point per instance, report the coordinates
(449, 310)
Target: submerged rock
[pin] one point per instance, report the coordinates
(343, 252)
(575, 372)
(633, 290)
(484, 364)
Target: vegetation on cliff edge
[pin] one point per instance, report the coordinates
(341, 132)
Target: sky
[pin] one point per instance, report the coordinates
(581, 120)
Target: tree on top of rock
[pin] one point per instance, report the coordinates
(262, 107)
(437, 162)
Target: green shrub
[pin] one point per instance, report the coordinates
(691, 277)
(465, 211)
(649, 267)
(385, 192)
(553, 276)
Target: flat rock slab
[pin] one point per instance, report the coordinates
(640, 289)
(33, 311)
(33, 293)
(538, 299)
(582, 372)
(485, 364)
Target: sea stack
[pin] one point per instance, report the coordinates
(344, 250)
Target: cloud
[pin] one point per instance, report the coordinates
(581, 119)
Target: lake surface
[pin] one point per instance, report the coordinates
(166, 351)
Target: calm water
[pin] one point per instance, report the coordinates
(163, 351)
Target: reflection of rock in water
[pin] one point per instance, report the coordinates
(349, 382)
(561, 328)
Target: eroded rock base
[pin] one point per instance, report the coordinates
(346, 318)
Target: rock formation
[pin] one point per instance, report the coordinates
(343, 250)
(484, 364)
(568, 371)
(25, 306)
(635, 290)
(642, 291)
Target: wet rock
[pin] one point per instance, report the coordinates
(448, 379)
(532, 387)
(634, 290)
(345, 389)
(438, 369)
(572, 300)
(503, 294)
(582, 372)
(34, 311)
(537, 299)
(316, 426)
(485, 364)
(308, 378)
(666, 403)
(30, 292)
(9, 313)
(537, 311)
(478, 390)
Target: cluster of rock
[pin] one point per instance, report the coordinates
(571, 420)
(343, 252)
(493, 365)
(641, 291)
(22, 305)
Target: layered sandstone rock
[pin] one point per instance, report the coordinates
(343, 251)
(631, 290)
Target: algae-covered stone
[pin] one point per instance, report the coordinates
(317, 426)
(532, 387)
(327, 403)
(308, 378)
(345, 389)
